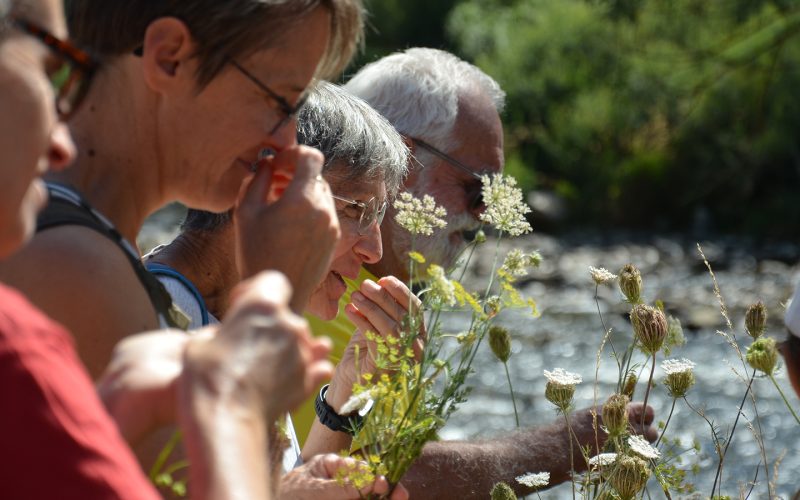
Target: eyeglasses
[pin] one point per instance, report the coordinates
(366, 213)
(288, 110)
(72, 76)
(475, 193)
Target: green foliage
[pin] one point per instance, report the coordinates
(642, 112)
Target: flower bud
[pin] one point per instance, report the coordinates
(630, 283)
(763, 355)
(502, 491)
(755, 320)
(615, 414)
(650, 327)
(480, 237)
(500, 342)
(629, 387)
(630, 476)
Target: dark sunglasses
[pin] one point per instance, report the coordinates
(475, 193)
(72, 77)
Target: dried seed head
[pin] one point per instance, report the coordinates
(630, 283)
(650, 327)
(629, 387)
(502, 491)
(630, 476)
(755, 320)
(615, 414)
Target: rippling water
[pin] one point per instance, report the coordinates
(568, 335)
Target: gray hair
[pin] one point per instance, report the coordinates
(354, 138)
(5, 9)
(418, 90)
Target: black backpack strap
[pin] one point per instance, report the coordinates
(60, 212)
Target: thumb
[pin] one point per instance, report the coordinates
(308, 166)
(255, 193)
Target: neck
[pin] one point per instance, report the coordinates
(207, 260)
(117, 169)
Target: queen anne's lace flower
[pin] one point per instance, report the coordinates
(356, 403)
(601, 275)
(534, 480)
(679, 376)
(517, 262)
(602, 460)
(641, 447)
(560, 376)
(673, 366)
(419, 216)
(442, 290)
(504, 206)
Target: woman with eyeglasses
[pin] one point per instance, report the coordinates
(365, 163)
(56, 440)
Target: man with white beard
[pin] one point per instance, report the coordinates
(449, 113)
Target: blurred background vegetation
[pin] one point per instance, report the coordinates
(666, 115)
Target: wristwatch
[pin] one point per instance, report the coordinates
(332, 420)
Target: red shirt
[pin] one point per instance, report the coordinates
(56, 439)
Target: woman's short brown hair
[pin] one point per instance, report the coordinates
(221, 29)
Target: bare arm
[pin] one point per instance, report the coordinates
(84, 281)
(472, 468)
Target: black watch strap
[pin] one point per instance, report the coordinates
(332, 420)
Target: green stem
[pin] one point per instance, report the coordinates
(784, 398)
(511, 390)
(647, 390)
(666, 424)
(571, 453)
(164, 454)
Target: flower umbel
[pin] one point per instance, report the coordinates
(755, 320)
(641, 447)
(442, 290)
(650, 327)
(517, 263)
(763, 355)
(419, 216)
(601, 275)
(630, 283)
(680, 376)
(561, 387)
(534, 480)
(602, 460)
(504, 206)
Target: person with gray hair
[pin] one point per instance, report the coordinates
(365, 163)
(448, 112)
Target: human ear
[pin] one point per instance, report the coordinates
(168, 47)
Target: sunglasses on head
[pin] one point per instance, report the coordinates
(71, 76)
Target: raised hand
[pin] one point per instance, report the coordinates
(291, 227)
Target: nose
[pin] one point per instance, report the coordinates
(61, 151)
(370, 247)
(284, 135)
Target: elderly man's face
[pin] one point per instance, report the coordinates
(479, 135)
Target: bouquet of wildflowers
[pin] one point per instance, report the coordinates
(416, 389)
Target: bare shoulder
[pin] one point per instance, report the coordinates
(83, 280)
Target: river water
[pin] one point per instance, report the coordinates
(569, 332)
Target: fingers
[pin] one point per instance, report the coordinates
(635, 411)
(354, 314)
(400, 292)
(307, 165)
(256, 189)
(400, 493)
(270, 287)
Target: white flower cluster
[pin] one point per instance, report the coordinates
(534, 480)
(357, 402)
(442, 289)
(602, 460)
(602, 275)
(560, 376)
(517, 262)
(419, 216)
(674, 366)
(641, 447)
(504, 206)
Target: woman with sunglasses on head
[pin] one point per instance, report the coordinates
(56, 439)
